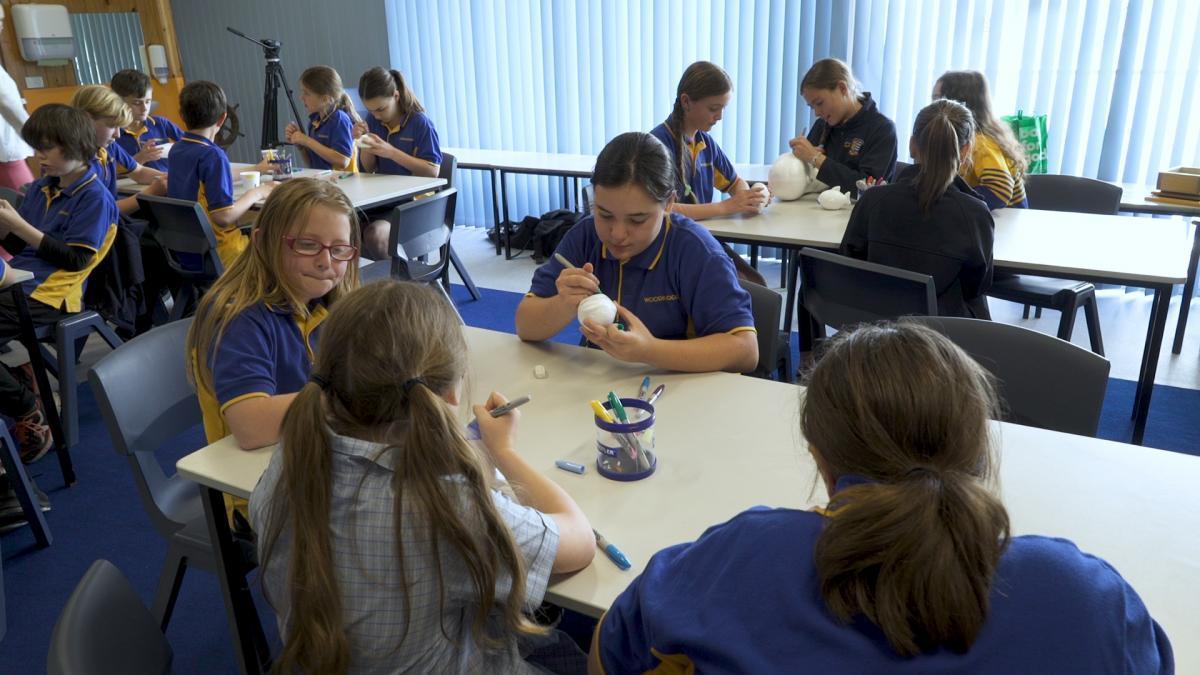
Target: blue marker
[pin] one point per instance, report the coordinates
(570, 466)
(614, 554)
(644, 388)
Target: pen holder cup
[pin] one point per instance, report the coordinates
(625, 450)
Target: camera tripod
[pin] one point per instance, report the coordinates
(275, 80)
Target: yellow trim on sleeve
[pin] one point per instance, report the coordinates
(243, 397)
(742, 329)
(90, 248)
(221, 208)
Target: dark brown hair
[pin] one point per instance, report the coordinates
(379, 82)
(914, 545)
(970, 88)
(827, 74)
(55, 125)
(415, 333)
(325, 81)
(201, 104)
(699, 81)
(940, 131)
(636, 158)
(130, 82)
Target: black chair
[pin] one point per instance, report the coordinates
(1045, 382)
(589, 196)
(900, 166)
(419, 232)
(840, 292)
(68, 336)
(774, 350)
(446, 172)
(105, 628)
(182, 230)
(143, 393)
(12, 196)
(1075, 194)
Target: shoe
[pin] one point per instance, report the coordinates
(33, 435)
(42, 498)
(24, 374)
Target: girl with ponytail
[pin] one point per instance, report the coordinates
(930, 221)
(911, 567)
(384, 542)
(329, 143)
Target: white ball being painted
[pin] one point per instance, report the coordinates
(598, 308)
(789, 177)
(833, 199)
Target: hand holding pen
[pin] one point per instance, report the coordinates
(497, 421)
(575, 284)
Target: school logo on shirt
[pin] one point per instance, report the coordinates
(673, 297)
(854, 146)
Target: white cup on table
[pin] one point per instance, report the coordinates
(251, 179)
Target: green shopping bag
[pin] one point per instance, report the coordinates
(1030, 131)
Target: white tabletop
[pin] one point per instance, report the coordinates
(1117, 248)
(549, 163)
(720, 454)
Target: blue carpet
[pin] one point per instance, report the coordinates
(102, 517)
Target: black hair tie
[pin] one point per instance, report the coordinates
(319, 381)
(412, 382)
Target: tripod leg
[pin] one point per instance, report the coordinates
(291, 100)
(270, 125)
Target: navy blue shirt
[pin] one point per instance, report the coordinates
(159, 129)
(335, 132)
(111, 162)
(862, 146)
(707, 165)
(414, 136)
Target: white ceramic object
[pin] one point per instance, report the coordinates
(598, 308)
(833, 199)
(789, 177)
(251, 179)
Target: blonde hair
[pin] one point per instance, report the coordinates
(257, 274)
(325, 81)
(828, 74)
(99, 101)
(388, 385)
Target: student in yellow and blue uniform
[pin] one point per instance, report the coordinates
(255, 332)
(998, 162)
(676, 291)
(398, 139)
(329, 143)
(911, 567)
(200, 170)
(64, 228)
(144, 137)
(109, 114)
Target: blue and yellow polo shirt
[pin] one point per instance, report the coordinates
(994, 175)
(111, 163)
(265, 351)
(82, 214)
(710, 168)
(155, 128)
(682, 286)
(200, 172)
(336, 132)
(414, 136)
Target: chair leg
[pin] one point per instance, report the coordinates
(169, 582)
(1091, 313)
(449, 300)
(67, 394)
(1037, 313)
(462, 274)
(22, 487)
(1025, 312)
(754, 256)
(1066, 325)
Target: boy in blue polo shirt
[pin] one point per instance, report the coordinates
(145, 137)
(109, 113)
(63, 229)
(675, 289)
(200, 170)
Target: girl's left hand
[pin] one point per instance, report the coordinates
(631, 344)
(372, 142)
(295, 135)
(360, 129)
(8, 214)
(803, 150)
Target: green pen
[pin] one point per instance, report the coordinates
(617, 408)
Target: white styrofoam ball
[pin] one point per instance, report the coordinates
(788, 177)
(759, 187)
(833, 199)
(598, 308)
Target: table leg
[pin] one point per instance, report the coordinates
(249, 646)
(504, 213)
(495, 206)
(566, 192)
(793, 269)
(1154, 338)
(1189, 287)
(29, 339)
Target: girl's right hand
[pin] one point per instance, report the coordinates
(498, 434)
(360, 129)
(747, 202)
(371, 142)
(575, 285)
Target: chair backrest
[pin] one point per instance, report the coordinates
(419, 229)
(447, 169)
(589, 195)
(1052, 192)
(182, 229)
(12, 196)
(1045, 382)
(144, 395)
(765, 304)
(900, 166)
(105, 628)
(838, 291)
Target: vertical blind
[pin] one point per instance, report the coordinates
(1116, 78)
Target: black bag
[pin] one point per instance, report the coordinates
(549, 232)
(520, 234)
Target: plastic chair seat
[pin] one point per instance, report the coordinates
(1063, 295)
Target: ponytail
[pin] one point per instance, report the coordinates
(941, 130)
(913, 543)
(347, 107)
(700, 80)
(675, 126)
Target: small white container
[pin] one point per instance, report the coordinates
(251, 179)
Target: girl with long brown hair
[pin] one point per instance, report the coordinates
(911, 566)
(384, 541)
(998, 162)
(929, 220)
(329, 143)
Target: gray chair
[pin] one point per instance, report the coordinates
(184, 234)
(143, 393)
(1045, 382)
(1075, 194)
(589, 196)
(418, 232)
(68, 336)
(105, 628)
(22, 486)
(774, 352)
(449, 164)
(12, 196)
(841, 292)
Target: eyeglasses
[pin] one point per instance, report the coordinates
(312, 247)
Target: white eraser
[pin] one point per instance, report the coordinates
(539, 371)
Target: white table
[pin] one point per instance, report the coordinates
(1141, 252)
(1133, 506)
(365, 190)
